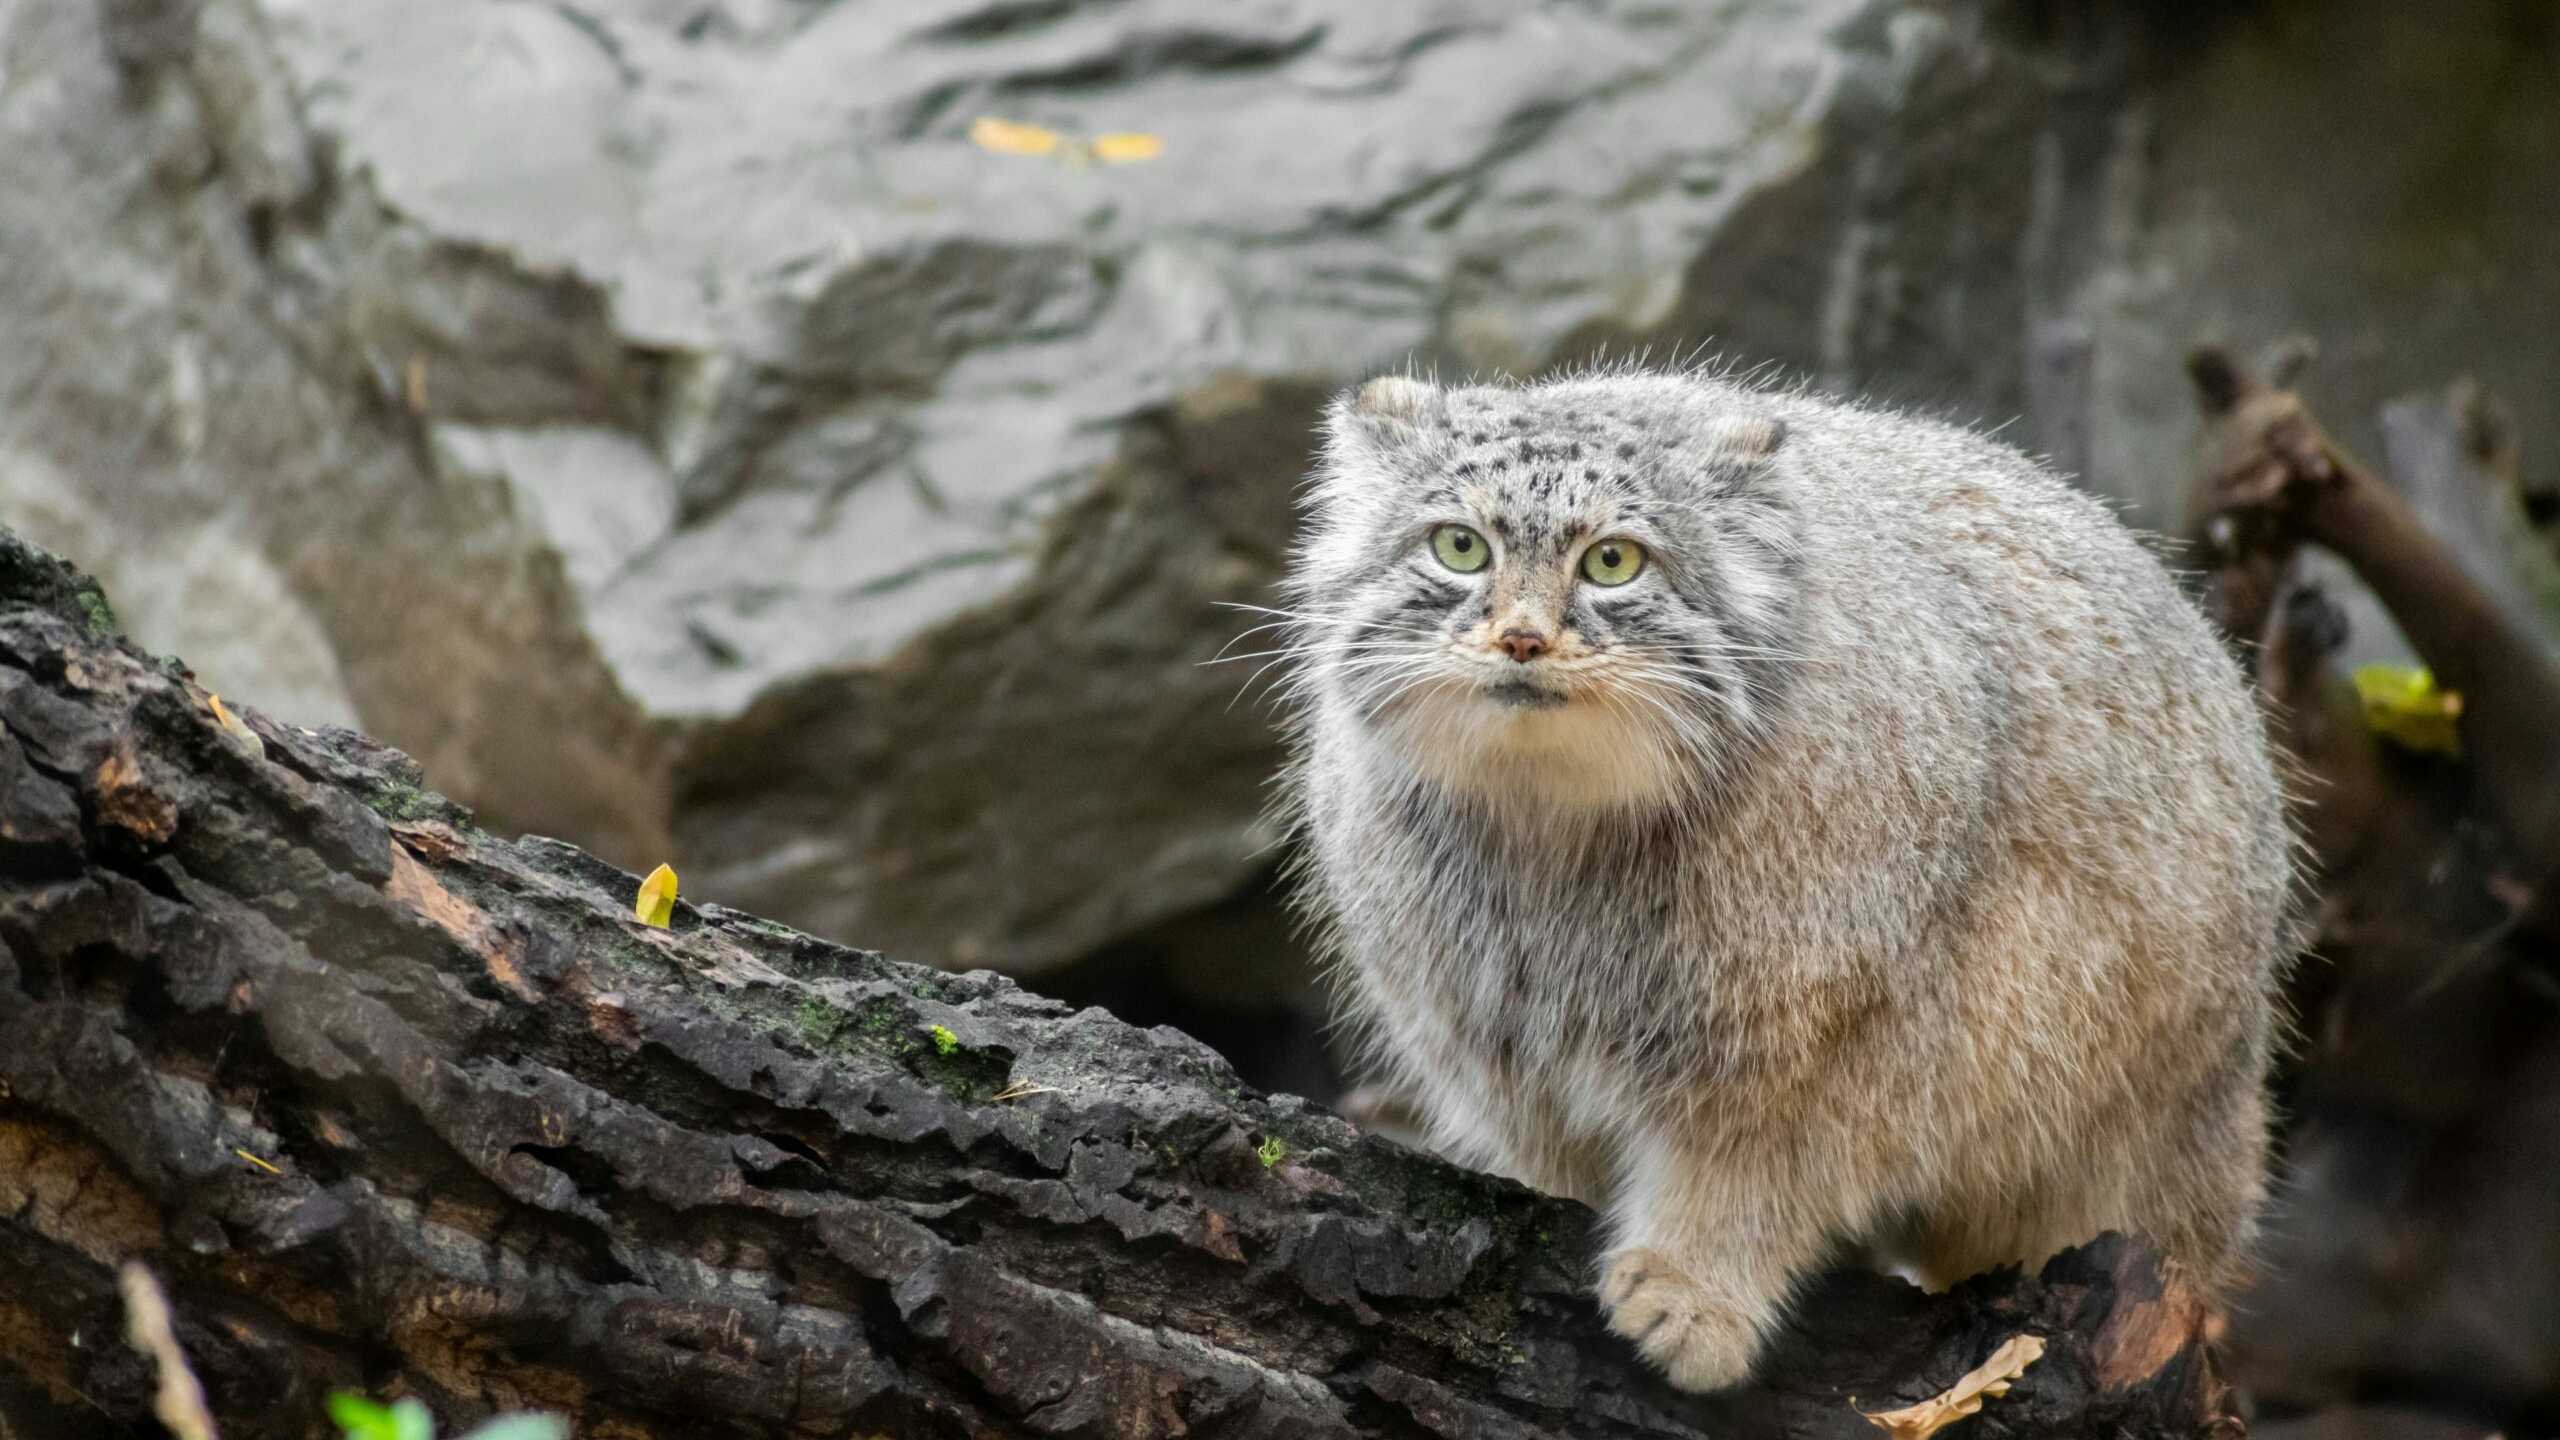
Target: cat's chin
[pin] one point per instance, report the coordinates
(1525, 695)
(1537, 748)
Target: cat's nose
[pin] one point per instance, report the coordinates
(1524, 645)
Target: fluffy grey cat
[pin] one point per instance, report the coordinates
(1803, 832)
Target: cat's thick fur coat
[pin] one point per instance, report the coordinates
(1895, 868)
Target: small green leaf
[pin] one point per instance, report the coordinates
(360, 1418)
(1271, 1152)
(364, 1419)
(944, 1040)
(522, 1427)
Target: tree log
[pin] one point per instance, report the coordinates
(397, 1106)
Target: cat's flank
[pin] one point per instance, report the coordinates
(1803, 832)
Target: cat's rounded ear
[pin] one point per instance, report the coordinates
(1744, 439)
(1391, 409)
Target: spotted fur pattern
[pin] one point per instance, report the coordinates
(1893, 870)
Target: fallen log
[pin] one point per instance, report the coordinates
(390, 1104)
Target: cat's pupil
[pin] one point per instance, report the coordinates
(1462, 542)
(1609, 557)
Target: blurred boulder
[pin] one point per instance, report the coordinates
(663, 419)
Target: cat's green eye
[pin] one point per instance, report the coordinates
(1612, 562)
(1460, 548)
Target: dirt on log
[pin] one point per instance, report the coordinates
(394, 1105)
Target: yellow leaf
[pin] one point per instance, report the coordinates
(1120, 149)
(254, 1160)
(1965, 1397)
(1005, 137)
(657, 903)
(2405, 707)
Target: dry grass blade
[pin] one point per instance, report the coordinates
(180, 1400)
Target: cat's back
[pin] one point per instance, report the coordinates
(1923, 535)
(2108, 725)
(1963, 522)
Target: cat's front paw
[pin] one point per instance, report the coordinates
(1699, 1343)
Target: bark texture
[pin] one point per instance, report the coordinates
(392, 1104)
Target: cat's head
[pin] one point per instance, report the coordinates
(1579, 594)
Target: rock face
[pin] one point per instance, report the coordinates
(661, 418)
